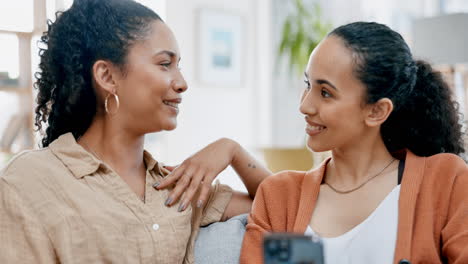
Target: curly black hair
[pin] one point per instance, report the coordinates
(425, 119)
(90, 30)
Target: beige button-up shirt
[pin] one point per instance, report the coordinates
(62, 205)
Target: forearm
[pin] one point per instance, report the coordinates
(251, 171)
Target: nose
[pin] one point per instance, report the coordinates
(179, 83)
(308, 106)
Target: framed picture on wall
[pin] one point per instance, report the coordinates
(219, 48)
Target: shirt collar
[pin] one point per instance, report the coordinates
(82, 163)
(153, 165)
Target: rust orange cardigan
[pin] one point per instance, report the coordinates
(432, 220)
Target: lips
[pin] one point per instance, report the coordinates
(313, 128)
(176, 105)
(173, 102)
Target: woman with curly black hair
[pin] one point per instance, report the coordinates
(392, 191)
(109, 75)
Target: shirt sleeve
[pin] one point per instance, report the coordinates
(23, 239)
(455, 232)
(220, 196)
(258, 225)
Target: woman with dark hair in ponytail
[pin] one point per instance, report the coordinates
(394, 189)
(109, 75)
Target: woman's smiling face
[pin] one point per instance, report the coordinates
(333, 101)
(151, 89)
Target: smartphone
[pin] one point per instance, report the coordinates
(287, 248)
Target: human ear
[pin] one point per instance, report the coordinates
(378, 112)
(105, 76)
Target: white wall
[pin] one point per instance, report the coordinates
(442, 39)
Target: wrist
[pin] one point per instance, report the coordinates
(233, 147)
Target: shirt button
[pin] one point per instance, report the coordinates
(155, 227)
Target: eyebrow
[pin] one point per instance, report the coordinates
(167, 52)
(321, 81)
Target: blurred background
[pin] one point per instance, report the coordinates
(244, 63)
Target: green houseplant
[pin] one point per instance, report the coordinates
(301, 32)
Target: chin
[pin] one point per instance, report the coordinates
(170, 126)
(165, 126)
(316, 146)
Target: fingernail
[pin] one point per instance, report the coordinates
(168, 201)
(199, 203)
(156, 185)
(181, 207)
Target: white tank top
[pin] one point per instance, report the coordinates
(372, 241)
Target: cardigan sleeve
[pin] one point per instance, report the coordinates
(455, 232)
(258, 225)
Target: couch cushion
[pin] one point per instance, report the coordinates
(221, 242)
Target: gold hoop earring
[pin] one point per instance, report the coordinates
(116, 97)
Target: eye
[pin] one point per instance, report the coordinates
(307, 84)
(325, 93)
(165, 65)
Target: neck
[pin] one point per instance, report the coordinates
(355, 164)
(114, 145)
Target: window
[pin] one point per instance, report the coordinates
(16, 15)
(9, 64)
(17, 28)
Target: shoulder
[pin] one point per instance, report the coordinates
(453, 167)
(440, 172)
(447, 159)
(27, 166)
(445, 164)
(441, 162)
(23, 161)
(287, 183)
(284, 179)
